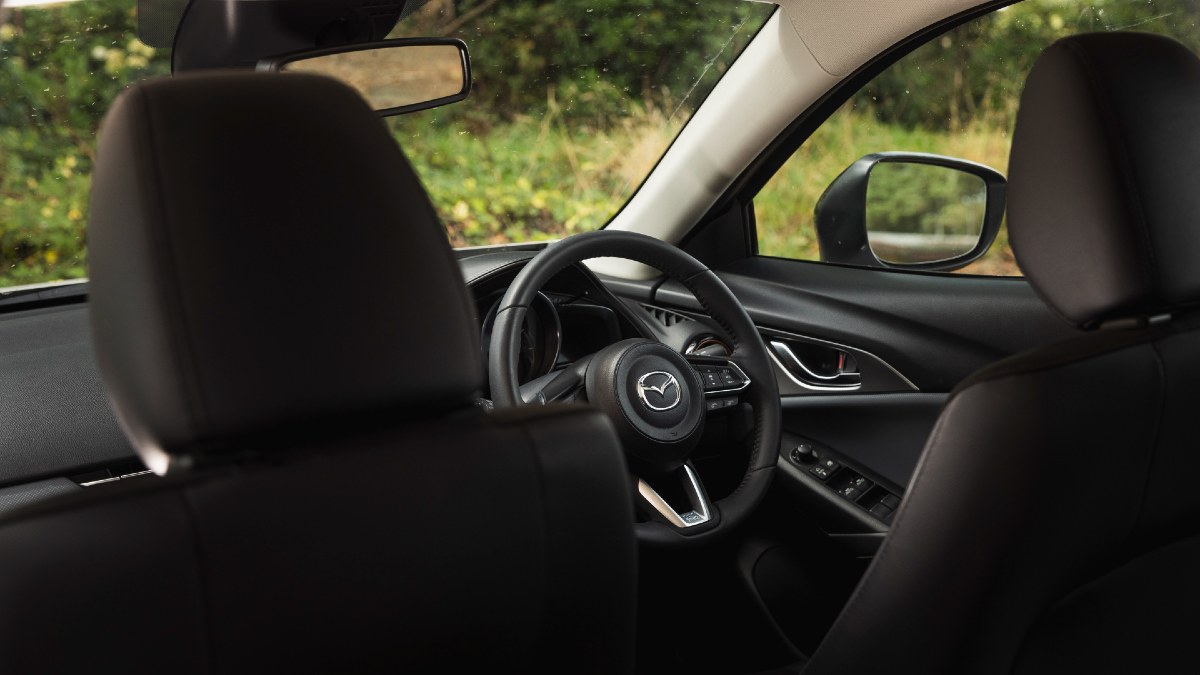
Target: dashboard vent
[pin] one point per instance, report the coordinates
(665, 317)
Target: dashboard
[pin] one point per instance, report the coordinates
(57, 431)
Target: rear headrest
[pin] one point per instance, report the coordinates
(1104, 187)
(264, 262)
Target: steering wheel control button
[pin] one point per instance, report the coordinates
(718, 378)
(715, 404)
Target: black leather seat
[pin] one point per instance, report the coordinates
(1051, 526)
(285, 333)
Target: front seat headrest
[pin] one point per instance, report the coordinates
(1104, 193)
(265, 263)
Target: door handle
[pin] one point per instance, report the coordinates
(818, 366)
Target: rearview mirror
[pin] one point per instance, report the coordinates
(910, 210)
(394, 76)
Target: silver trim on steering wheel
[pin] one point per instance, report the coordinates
(700, 512)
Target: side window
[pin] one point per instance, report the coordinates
(955, 96)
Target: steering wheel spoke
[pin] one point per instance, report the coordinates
(691, 505)
(561, 386)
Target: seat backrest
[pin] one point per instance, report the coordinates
(284, 333)
(1049, 525)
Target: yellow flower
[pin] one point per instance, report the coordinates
(7, 32)
(74, 214)
(140, 48)
(114, 61)
(460, 210)
(51, 257)
(47, 212)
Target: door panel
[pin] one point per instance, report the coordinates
(934, 329)
(884, 432)
(913, 336)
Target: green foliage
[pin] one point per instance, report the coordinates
(784, 207)
(600, 59)
(531, 182)
(61, 67)
(924, 199)
(574, 102)
(976, 71)
(957, 95)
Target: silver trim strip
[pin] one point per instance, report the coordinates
(700, 512)
(792, 355)
(772, 333)
(114, 478)
(780, 346)
(811, 387)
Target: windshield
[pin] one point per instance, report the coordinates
(573, 104)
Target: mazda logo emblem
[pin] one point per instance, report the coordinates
(659, 390)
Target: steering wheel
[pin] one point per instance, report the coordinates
(656, 397)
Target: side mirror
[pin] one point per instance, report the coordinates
(910, 210)
(394, 76)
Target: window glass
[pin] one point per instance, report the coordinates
(61, 64)
(957, 96)
(573, 104)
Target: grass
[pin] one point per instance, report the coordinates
(784, 207)
(532, 180)
(536, 179)
(540, 179)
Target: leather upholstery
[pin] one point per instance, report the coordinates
(283, 295)
(1102, 195)
(477, 543)
(249, 226)
(1050, 525)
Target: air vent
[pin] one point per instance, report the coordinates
(665, 317)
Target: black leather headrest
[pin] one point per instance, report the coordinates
(1104, 187)
(264, 261)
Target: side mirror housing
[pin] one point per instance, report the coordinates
(910, 210)
(394, 76)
